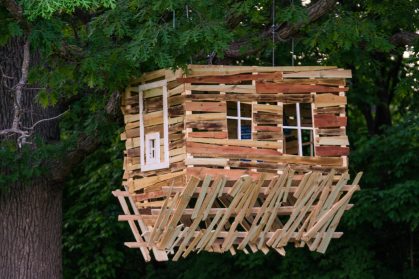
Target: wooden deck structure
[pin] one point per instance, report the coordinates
(227, 158)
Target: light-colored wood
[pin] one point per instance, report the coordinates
(328, 100)
(219, 193)
(232, 142)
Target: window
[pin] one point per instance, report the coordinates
(298, 129)
(152, 148)
(239, 120)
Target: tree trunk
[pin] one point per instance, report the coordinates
(30, 213)
(30, 234)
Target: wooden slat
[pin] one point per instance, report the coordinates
(233, 142)
(205, 106)
(214, 135)
(205, 117)
(267, 155)
(329, 120)
(263, 87)
(340, 140)
(250, 89)
(328, 100)
(232, 78)
(331, 151)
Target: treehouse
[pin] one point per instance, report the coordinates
(227, 158)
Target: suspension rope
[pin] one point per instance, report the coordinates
(187, 17)
(292, 44)
(174, 19)
(273, 33)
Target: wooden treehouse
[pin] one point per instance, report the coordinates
(227, 158)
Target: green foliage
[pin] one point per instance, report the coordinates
(24, 164)
(47, 8)
(91, 245)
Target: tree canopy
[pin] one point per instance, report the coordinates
(82, 53)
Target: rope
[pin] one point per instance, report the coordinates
(273, 33)
(187, 17)
(292, 43)
(174, 19)
(292, 51)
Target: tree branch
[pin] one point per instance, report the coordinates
(16, 11)
(20, 85)
(86, 143)
(403, 38)
(283, 30)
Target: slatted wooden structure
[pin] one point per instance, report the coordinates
(227, 158)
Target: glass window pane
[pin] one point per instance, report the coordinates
(291, 141)
(246, 129)
(232, 128)
(307, 142)
(245, 110)
(306, 116)
(232, 109)
(290, 115)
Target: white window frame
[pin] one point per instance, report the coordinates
(239, 118)
(299, 128)
(152, 149)
(154, 165)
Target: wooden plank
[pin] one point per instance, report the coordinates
(339, 140)
(329, 120)
(205, 183)
(328, 100)
(200, 148)
(148, 181)
(150, 76)
(250, 89)
(267, 108)
(319, 81)
(149, 195)
(264, 87)
(215, 135)
(329, 214)
(152, 85)
(338, 73)
(282, 211)
(205, 106)
(216, 125)
(331, 151)
(331, 132)
(205, 70)
(229, 174)
(205, 117)
(266, 155)
(207, 161)
(233, 142)
(232, 78)
(268, 129)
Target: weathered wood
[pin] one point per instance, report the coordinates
(214, 135)
(331, 151)
(328, 100)
(232, 78)
(264, 87)
(205, 106)
(329, 120)
(232, 142)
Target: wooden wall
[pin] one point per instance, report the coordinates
(208, 88)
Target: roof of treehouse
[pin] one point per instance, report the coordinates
(226, 158)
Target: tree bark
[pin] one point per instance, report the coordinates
(30, 231)
(30, 213)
